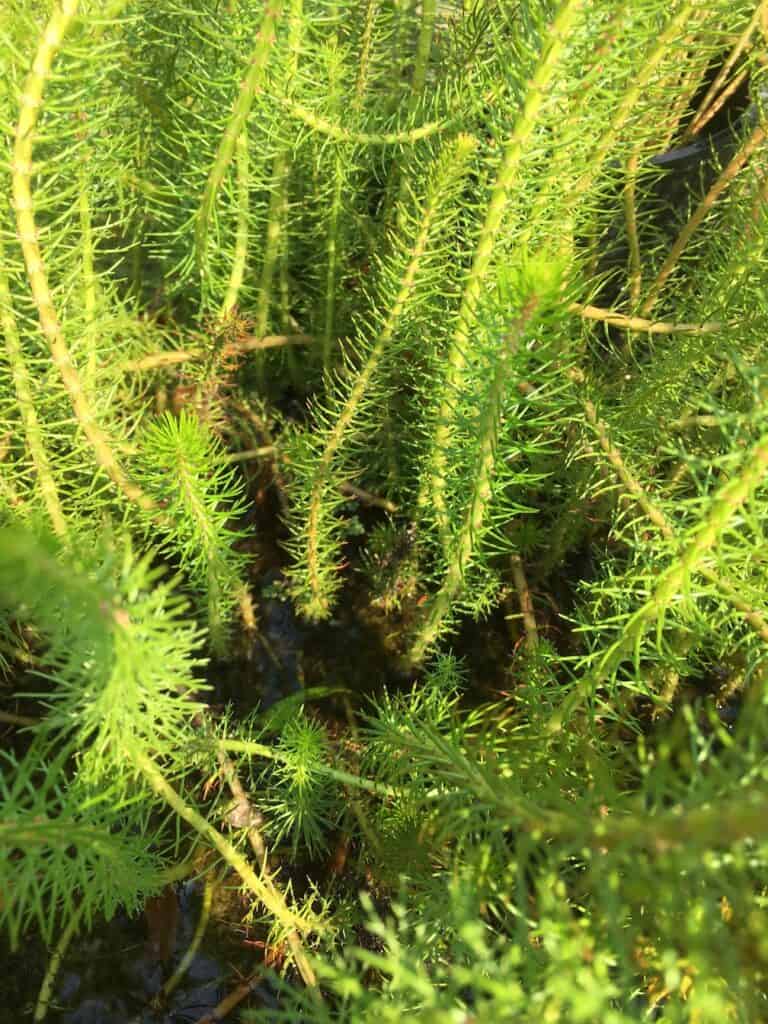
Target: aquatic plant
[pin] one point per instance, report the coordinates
(476, 291)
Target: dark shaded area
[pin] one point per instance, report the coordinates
(112, 976)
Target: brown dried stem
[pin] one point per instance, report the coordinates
(157, 360)
(642, 325)
(526, 604)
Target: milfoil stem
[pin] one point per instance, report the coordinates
(263, 887)
(30, 103)
(249, 88)
(317, 605)
(434, 485)
(463, 547)
(23, 386)
(241, 237)
(723, 507)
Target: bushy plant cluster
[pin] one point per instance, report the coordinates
(477, 292)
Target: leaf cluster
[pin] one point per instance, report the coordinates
(485, 283)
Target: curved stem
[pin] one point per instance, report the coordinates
(262, 887)
(681, 242)
(630, 218)
(723, 507)
(463, 548)
(434, 485)
(318, 604)
(44, 996)
(654, 514)
(30, 103)
(629, 101)
(249, 87)
(23, 386)
(341, 134)
(241, 237)
(641, 325)
(191, 952)
(708, 106)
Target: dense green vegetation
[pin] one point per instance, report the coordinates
(464, 306)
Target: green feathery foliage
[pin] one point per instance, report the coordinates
(183, 469)
(464, 306)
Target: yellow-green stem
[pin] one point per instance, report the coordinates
(30, 103)
(654, 514)
(319, 604)
(23, 386)
(365, 54)
(250, 86)
(505, 182)
(241, 237)
(332, 260)
(463, 548)
(723, 507)
(191, 951)
(337, 131)
(704, 108)
(278, 196)
(423, 47)
(262, 887)
(738, 161)
(46, 989)
(338, 774)
(89, 283)
(629, 101)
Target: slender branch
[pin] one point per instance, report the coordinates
(721, 822)
(463, 548)
(704, 111)
(434, 484)
(191, 951)
(278, 185)
(338, 774)
(274, 242)
(332, 258)
(423, 48)
(251, 453)
(157, 360)
(630, 218)
(731, 88)
(629, 101)
(263, 887)
(318, 603)
(364, 61)
(249, 88)
(340, 134)
(89, 281)
(724, 180)
(241, 236)
(242, 815)
(558, 166)
(726, 502)
(22, 383)
(526, 603)
(30, 102)
(641, 325)
(229, 1002)
(654, 514)
(397, 185)
(46, 989)
(367, 498)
